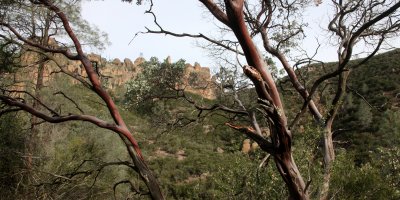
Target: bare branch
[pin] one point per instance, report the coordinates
(71, 100)
(198, 36)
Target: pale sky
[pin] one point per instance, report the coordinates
(122, 20)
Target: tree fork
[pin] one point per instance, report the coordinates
(281, 135)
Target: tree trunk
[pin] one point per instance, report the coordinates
(141, 167)
(267, 90)
(282, 141)
(31, 140)
(291, 175)
(329, 151)
(329, 157)
(148, 177)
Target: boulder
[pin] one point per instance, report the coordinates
(246, 147)
(169, 60)
(117, 62)
(254, 146)
(128, 64)
(94, 58)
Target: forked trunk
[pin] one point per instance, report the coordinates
(329, 151)
(267, 90)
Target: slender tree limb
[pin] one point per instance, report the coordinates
(53, 112)
(71, 100)
(57, 118)
(198, 36)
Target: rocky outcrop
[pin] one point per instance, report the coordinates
(115, 73)
(198, 80)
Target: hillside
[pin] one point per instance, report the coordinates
(201, 158)
(371, 111)
(369, 117)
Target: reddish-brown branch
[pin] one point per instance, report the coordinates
(37, 100)
(117, 126)
(216, 11)
(267, 91)
(234, 11)
(57, 119)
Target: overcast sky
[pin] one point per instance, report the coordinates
(122, 20)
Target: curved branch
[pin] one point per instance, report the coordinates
(58, 119)
(216, 11)
(71, 100)
(200, 35)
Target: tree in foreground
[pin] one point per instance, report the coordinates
(278, 26)
(245, 19)
(13, 99)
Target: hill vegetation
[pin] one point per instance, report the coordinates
(201, 158)
(371, 102)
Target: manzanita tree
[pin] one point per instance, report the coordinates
(14, 100)
(275, 23)
(278, 25)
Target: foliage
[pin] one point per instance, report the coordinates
(361, 182)
(203, 173)
(370, 111)
(11, 154)
(369, 105)
(156, 80)
(92, 37)
(37, 23)
(9, 57)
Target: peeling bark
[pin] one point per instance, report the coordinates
(291, 175)
(266, 90)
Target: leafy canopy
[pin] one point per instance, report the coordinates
(156, 80)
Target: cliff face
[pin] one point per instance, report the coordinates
(114, 74)
(198, 80)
